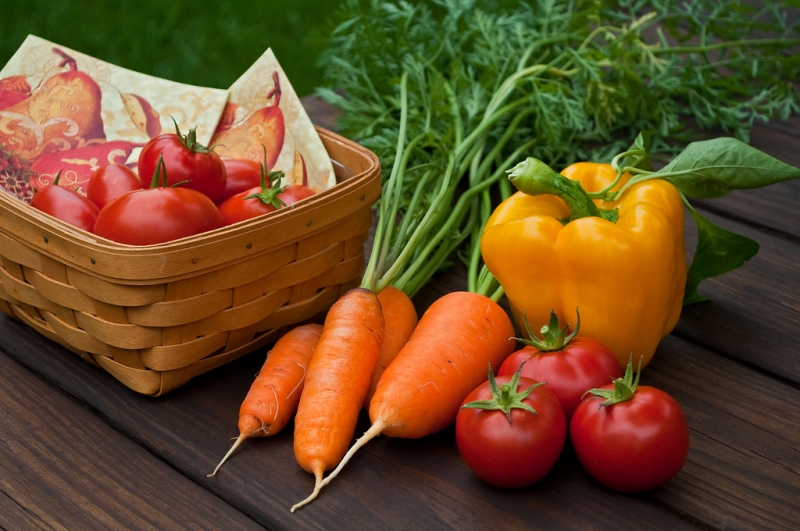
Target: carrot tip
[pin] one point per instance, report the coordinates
(236, 444)
(370, 434)
(317, 487)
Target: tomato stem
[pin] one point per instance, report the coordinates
(189, 140)
(553, 337)
(505, 397)
(160, 167)
(269, 193)
(624, 388)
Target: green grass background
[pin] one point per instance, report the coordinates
(199, 42)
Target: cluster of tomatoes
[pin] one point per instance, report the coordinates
(511, 430)
(192, 191)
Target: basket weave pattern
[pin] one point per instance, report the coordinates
(156, 316)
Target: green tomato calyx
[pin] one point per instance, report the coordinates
(269, 193)
(624, 388)
(506, 396)
(189, 140)
(160, 171)
(553, 337)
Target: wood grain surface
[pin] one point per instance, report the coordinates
(116, 459)
(63, 467)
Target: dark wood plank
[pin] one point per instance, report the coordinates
(742, 469)
(391, 484)
(754, 312)
(321, 113)
(790, 126)
(13, 514)
(61, 467)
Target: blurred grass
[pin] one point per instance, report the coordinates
(200, 42)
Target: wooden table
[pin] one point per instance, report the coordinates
(78, 450)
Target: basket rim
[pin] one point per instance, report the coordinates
(97, 256)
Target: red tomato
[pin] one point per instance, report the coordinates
(632, 445)
(110, 182)
(244, 206)
(157, 215)
(66, 205)
(575, 366)
(262, 199)
(516, 453)
(242, 175)
(186, 162)
(294, 193)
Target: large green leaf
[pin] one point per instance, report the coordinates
(714, 168)
(718, 251)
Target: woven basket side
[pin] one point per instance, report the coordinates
(171, 357)
(181, 311)
(19, 253)
(18, 290)
(141, 381)
(58, 292)
(155, 317)
(30, 316)
(115, 292)
(5, 307)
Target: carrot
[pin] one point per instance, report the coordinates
(337, 382)
(275, 393)
(400, 318)
(413, 237)
(445, 359)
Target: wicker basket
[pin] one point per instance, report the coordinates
(156, 316)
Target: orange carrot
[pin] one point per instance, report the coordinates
(275, 393)
(400, 318)
(337, 382)
(445, 359)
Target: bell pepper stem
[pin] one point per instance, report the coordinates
(534, 177)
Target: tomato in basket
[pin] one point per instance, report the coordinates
(262, 199)
(110, 182)
(157, 214)
(242, 175)
(186, 161)
(294, 193)
(66, 205)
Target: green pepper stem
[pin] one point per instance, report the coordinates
(534, 177)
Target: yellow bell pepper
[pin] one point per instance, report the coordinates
(622, 263)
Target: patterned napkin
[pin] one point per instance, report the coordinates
(61, 110)
(263, 111)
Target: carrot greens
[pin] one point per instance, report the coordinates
(452, 93)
